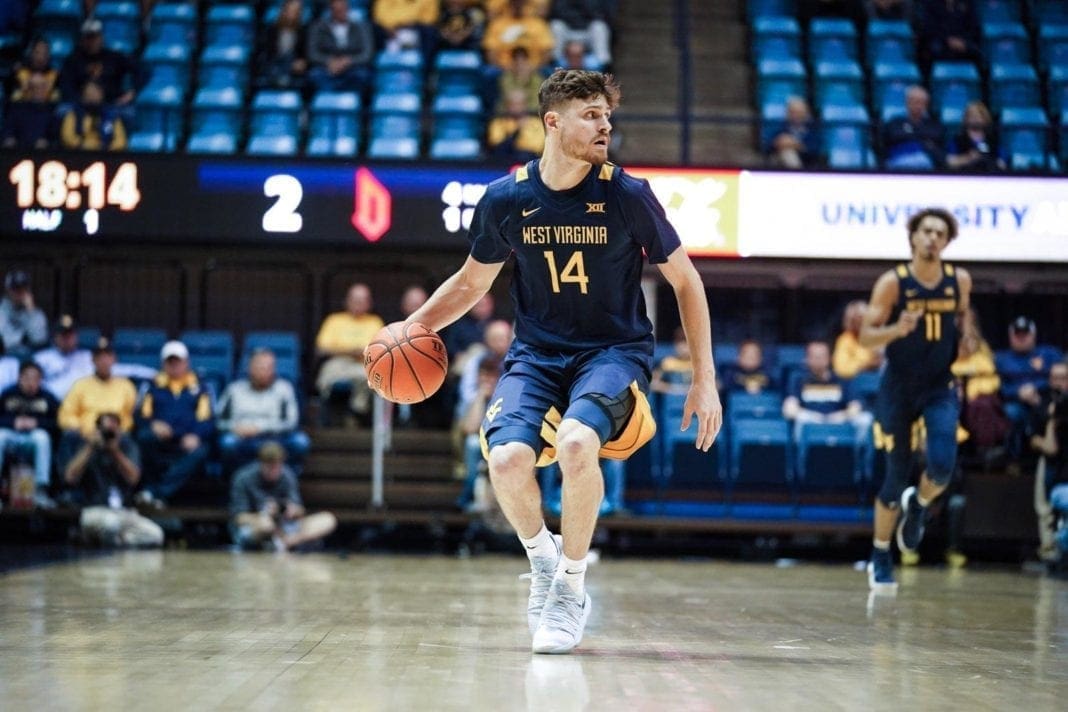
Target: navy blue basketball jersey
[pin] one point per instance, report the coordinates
(927, 353)
(578, 252)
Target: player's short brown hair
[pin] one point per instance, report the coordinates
(940, 213)
(563, 85)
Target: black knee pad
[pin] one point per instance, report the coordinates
(618, 408)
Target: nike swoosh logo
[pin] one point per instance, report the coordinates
(569, 571)
(527, 213)
(533, 547)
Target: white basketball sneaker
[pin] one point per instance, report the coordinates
(542, 571)
(562, 620)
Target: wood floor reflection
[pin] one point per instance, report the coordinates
(208, 630)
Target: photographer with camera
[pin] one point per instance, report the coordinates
(103, 475)
(1049, 439)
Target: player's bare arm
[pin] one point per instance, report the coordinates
(874, 331)
(457, 294)
(703, 397)
(964, 284)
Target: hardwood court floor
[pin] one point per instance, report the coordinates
(207, 630)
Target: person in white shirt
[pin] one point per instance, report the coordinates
(64, 363)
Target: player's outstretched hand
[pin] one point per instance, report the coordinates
(703, 401)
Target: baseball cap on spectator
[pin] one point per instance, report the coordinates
(271, 452)
(64, 325)
(103, 346)
(174, 349)
(1022, 324)
(92, 26)
(17, 279)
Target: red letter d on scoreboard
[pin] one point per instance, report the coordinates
(372, 213)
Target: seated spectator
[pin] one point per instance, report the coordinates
(266, 508)
(461, 25)
(516, 135)
(37, 65)
(174, 427)
(585, 21)
(467, 332)
(749, 374)
(889, 9)
(285, 55)
(534, 8)
(64, 363)
(408, 24)
(575, 56)
(114, 73)
(102, 477)
(674, 373)
(796, 144)
(469, 416)
(521, 76)
(515, 28)
(27, 427)
(816, 395)
(259, 409)
(341, 341)
(497, 341)
(91, 125)
(850, 358)
(1024, 371)
(340, 51)
(981, 413)
(949, 31)
(101, 392)
(1050, 441)
(31, 122)
(975, 147)
(23, 325)
(413, 298)
(913, 140)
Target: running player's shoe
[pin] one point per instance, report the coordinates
(881, 572)
(542, 571)
(910, 528)
(562, 620)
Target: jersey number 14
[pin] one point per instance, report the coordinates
(574, 272)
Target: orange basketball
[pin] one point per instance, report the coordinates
(406, 363)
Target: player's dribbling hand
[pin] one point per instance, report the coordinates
(703, 401)
(906, 323)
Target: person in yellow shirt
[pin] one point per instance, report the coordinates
(516, 135)
(850, 358)
(982, 414)
(91, 125)
(341, 341)
(89, 397)
(515, 28)
(407, 23)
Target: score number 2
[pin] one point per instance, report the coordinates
(283, 215)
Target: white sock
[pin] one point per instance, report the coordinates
(573, 573)
(541, 544)
(881, 545)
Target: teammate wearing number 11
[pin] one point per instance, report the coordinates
(914, 313)
(574, 381)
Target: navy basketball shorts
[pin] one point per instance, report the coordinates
(538, 386)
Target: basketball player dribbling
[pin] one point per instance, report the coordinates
(574, 382)
(914, 312)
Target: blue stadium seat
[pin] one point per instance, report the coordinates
(953, 86)
(760, 455)
(1005, 43)
(149, 141)
(1057, 89)
(173, 23)
(458, 72)
(138, 345)
(724, 353)
(754, 405)
(998, 10)
(764, 8)
(396, 116)
(790, 357)
(62, 16)
(272, 144)
(60, 42)
(276, 113)
(683, 467)
(1025, 137)
(218, 107)
(334, 124)
(211, 354)
(864, 387)
(828, 459)
(455, 149)
(776, 38)
(831, 39)
(838, 82)
(229, 24)
(457, 117)
(168, 64)
(159, 113)
(211, 141)
(1013, 85)
(778, 80)
(889, 41)
(122, 25)
(1049, 12)
(397, 148)
(223, 66)
(889, 84)
(1052, 46)
(1063, 139)
(88, 336)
